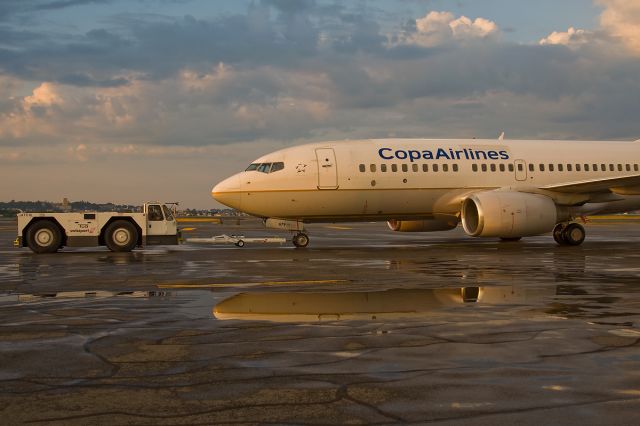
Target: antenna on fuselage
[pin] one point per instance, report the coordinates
(501, 137)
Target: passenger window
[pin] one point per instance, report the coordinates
(511, 168)
(628, 167)
(550, 167)
(595, 168)
(154, 213)
(586, 167)
(383, 168)
(484, 167)
(455, 167)
(635, 168)
(578, 169)
(445, 167)
(474, 167)
(394, 167)
(560, 167)
(493, 167)
(502, 168)
(362, 168)
(252, 167)
(611, 168)
(435, 167)
(414, 167)
(264, 167)
(619, 167)
(569, 168)
(425, 167)
(531, 167)
(603, 167)
(541, 167)
(405, 168)
(276, 167)
(372, 167)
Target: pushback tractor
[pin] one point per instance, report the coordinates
(119, 231)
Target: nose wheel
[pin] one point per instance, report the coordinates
(300, 240)
(572, 234)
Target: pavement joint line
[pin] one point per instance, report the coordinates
(252, 284)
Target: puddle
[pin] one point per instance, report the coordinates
(83, 294)
(389, 304)
(273, 301)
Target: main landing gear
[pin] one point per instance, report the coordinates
(569, 234)
(300, 240)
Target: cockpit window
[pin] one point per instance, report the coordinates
(265, 167)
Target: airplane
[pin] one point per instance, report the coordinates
(505, 189)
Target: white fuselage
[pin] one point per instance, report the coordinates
(424, 178)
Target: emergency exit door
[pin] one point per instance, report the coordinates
(327, 168)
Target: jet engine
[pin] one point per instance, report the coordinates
(426, 225)
(508, 214)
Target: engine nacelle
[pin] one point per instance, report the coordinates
(508, 214)
(426, 225)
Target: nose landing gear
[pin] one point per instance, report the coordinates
(572, 234)
(300, 240)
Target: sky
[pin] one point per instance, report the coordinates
(126, 101)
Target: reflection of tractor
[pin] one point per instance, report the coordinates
(48, 232)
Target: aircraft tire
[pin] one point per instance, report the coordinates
(240, 243)
(574, 234)
(558, 234)
(300, 240)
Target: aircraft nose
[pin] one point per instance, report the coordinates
(228, 192)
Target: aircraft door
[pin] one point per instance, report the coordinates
(521, 170)
(327, 168)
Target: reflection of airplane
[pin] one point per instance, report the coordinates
(388, 304)
(496, 188)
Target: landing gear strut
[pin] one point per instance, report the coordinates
(571, 234)
(300, 240)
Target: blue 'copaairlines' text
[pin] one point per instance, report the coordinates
(442, 154)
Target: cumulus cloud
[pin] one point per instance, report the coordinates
(571, 37)
(621, 19)
(44, 95)
(619, 28)
(437, 28)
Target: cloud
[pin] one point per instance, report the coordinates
(437, 28)
(621, 19)
(571, 37)
(44, 95)
(619, 28)
(292, 72)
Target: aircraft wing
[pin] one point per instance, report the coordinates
(628, 185)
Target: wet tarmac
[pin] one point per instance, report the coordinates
(363, 326)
